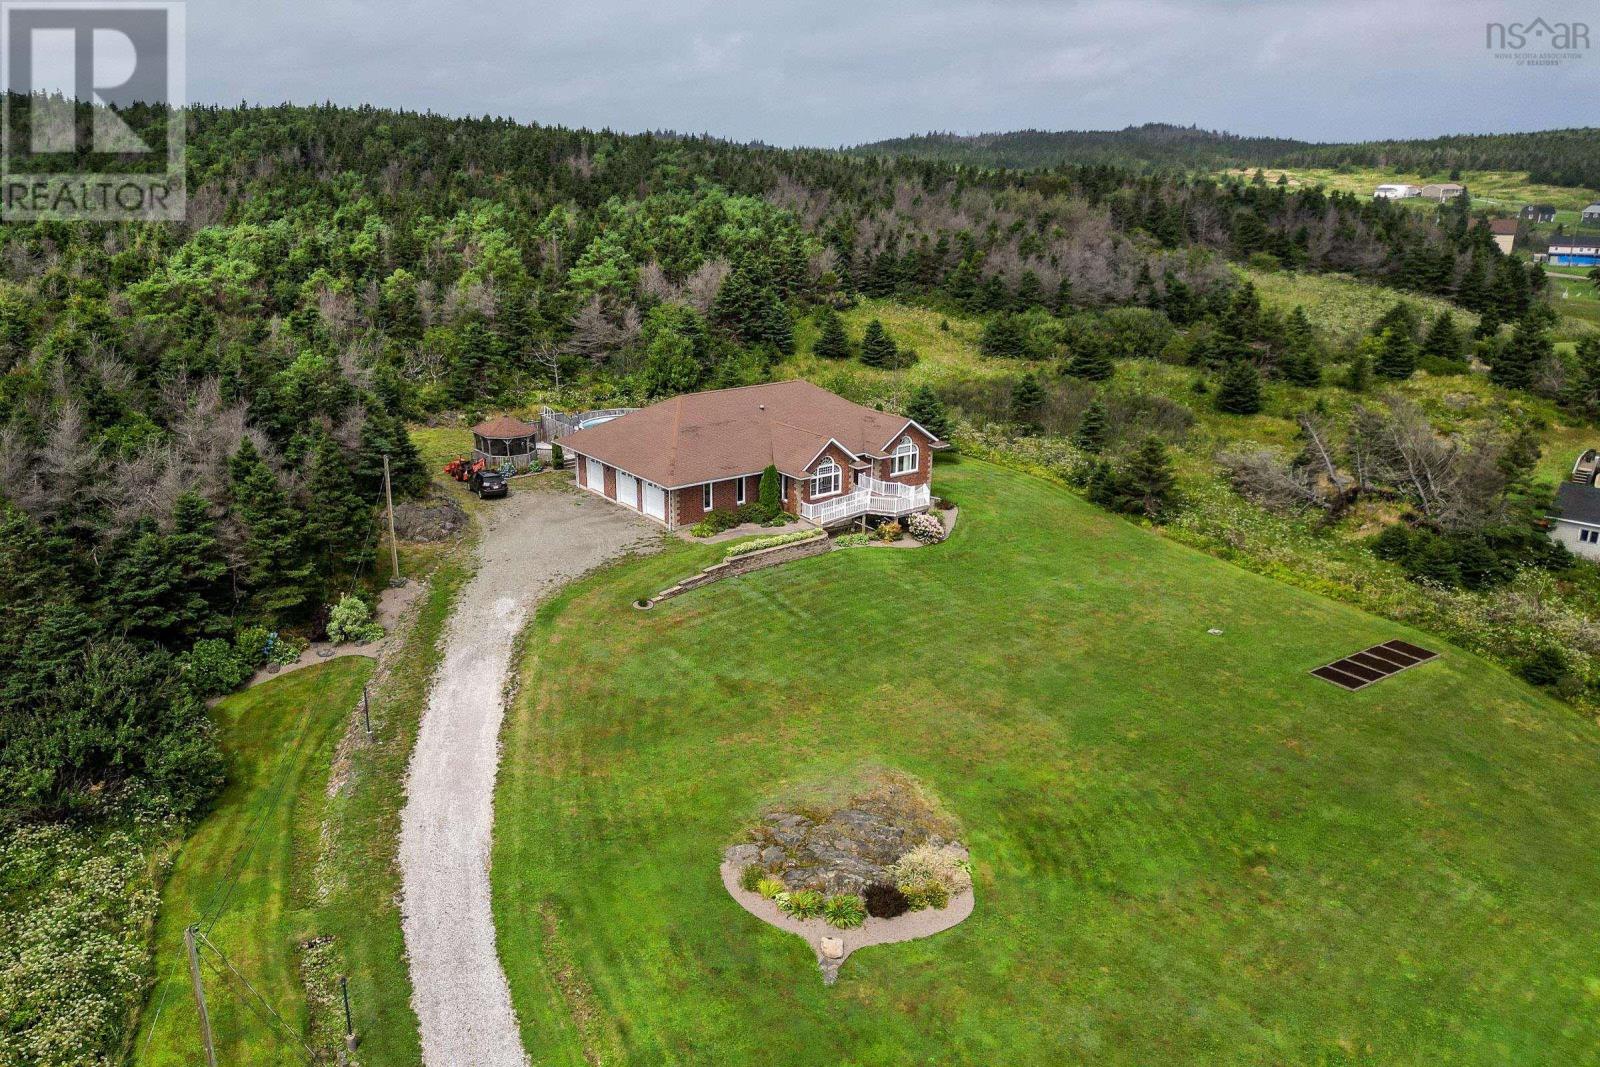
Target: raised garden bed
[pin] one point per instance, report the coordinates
(871, 861)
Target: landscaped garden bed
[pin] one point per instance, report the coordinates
(869, 860)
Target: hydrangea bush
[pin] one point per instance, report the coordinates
(925, 528)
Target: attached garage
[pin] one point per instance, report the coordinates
(655, 501)
(627, 490)
(595, 475)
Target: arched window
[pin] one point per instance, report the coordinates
(825, 482)
(905, 456)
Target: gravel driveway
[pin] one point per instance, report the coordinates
(533, 541)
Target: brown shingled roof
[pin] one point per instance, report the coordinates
(705, 437)
(506, 426)
(1504, 226)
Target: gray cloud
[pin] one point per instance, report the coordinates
(840, 71)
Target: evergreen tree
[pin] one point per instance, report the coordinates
(928, 411)
(168, 587)
(339, 523)
(1088, 354)
(1443, 340)
(1301, 363)
(1239, 392)
(1147, 480)
(832, 342)
(1358, 376)
(1004, 338)
(1397, 356)
(877, 347)
(770, 491)
(1027, 397)
(276, 572)
(1093, 428)
(1519, 359)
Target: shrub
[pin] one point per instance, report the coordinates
(716, 522)
(889, 531)
(769, 888)
(932, 874)
(886, 901)
(769, 494)
(744, 548)
(925, 894)
(1547, 666)
(925, 528)
(751, 877)
(216, 667)
(853, 540)
(557, 458)
(801, 904)
(845, 910)
(283, 651)
(254, 645)
(702, 529)
(351, 620)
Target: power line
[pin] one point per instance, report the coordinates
(258, 1003)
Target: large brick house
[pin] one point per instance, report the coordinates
(679, 460)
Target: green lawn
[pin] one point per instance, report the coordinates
(279, 739)
(1186, 849)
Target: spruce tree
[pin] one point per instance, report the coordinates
(1239, 392)
(1004, 338)
(339, 522)
(276, 571)
(1443, 340)
(1397, 356)
(1359, 374)
(1027, 397)
(1519, 359)
(1093, 428)
(877, 347)
(928, 411)
(1088, 357)
(1147, 480)
(832, 342)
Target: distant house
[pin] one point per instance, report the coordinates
(1539, 212)
(1591, 213)
(1572, 252)
(679, 460)
(1443, 190)
(1576, 522)
(1396, 191)
(1504, 232)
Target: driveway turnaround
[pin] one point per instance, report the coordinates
(533, 541)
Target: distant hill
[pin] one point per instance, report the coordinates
(1555, 157)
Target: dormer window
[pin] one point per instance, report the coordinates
(905, 457)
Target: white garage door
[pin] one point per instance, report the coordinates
(627, 490)
(596, 474)
(655, 501)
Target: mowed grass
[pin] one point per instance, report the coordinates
(1186, 848)
(245, 873)
(1505, 190)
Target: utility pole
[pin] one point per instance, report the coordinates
(199, 995)
(366, 713)
(388, 496)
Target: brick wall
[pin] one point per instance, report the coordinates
(689, 509)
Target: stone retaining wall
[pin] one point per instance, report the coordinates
(751, 561)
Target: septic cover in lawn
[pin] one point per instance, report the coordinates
(1373, 664)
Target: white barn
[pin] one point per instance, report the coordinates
(1395, 191)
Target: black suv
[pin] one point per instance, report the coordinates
(488, 483)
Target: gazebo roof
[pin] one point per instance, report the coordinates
(506, 426)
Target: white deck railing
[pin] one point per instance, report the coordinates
(869, 497)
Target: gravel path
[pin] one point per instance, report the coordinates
(533, 541)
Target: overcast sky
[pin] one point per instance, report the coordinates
(829, 72)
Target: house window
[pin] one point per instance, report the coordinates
(1589, 537)
(905, 456)
(705, 496)
(826, 481)
(738, 497)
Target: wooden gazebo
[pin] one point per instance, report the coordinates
(504, 439)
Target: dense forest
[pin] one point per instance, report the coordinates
(1552, 157)
(195, 415)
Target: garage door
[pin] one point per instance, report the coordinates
(628, 490)
(655, 501)
(596, 476)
